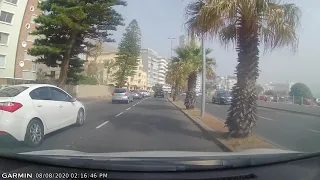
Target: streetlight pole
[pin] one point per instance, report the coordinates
(171, 46)
(203, 97)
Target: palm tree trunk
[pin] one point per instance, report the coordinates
(242, 113)
(190, 99)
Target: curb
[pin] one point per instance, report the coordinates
(287, 110)
(205, 129)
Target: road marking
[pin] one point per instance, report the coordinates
(128, 108)
(266, 118)
(102, 125)
(314, 131)
(119, 114)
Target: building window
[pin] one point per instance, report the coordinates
(34, 66)
(12, 1)
(2, 61)
(24, 44)
(4, 37)
(6, 17)
(28, 26)
(33, 17)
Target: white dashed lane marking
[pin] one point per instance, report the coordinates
(315, 131)
(266, 118)
(102, 125)
(120, 113)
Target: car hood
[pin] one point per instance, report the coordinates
(62, 152)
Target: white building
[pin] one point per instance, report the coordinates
(150, 66)
(163, 68)
(156, 68)
(226, 82)
(11, 16)
(199, 83)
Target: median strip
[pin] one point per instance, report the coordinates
(218, 132)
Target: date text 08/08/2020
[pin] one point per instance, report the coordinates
(64, 175)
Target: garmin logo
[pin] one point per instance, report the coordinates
(16, 175)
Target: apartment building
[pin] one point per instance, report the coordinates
(109, 53)
(226, 82)
(16, 22)
(150, 65)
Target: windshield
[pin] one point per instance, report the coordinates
(120, 90)
(157, 76)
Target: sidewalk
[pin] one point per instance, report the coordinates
(215, 128)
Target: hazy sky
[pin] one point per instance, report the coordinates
(160, 19)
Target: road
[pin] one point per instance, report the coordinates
(144, 125)
(285, 130)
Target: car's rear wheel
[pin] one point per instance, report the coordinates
(80, 117)
(34, 133)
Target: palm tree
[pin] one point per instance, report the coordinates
(245, 23)
(176, 76)
(191, 57)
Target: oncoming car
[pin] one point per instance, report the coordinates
(30, 111)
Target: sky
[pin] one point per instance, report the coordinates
(161, 19)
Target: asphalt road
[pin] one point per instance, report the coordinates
(144, 125)
(284, 129)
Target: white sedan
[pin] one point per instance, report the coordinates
(30, 111)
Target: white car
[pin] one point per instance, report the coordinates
(30, 111)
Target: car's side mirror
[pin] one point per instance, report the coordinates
(73, 100)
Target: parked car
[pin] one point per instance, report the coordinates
(30, 111)
(145, 93)
(122, 95)
(159, 93)
(137, 94)
(222, 97)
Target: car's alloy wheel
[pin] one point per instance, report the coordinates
(34, 134)
(80, 117)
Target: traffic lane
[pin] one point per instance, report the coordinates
(66, 138)
(294, 131)
(151, 125)
(285, 130)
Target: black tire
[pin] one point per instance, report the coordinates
(80, 118)
(32, 127)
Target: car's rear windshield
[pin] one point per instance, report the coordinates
(12, 91)
(120, 91)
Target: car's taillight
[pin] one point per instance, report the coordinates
(112, 94)
(10, 106)
(126, 94)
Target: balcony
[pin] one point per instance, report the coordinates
(161, 71)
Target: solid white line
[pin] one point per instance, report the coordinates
(266, 118)
(314, 131)
(102, 125)
(119, 114)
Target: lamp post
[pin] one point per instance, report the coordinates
(203, 97)
(171, 46)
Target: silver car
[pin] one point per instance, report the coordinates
(122, 95)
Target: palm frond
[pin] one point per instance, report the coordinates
(278, 26)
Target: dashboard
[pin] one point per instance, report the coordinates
(306, 169)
